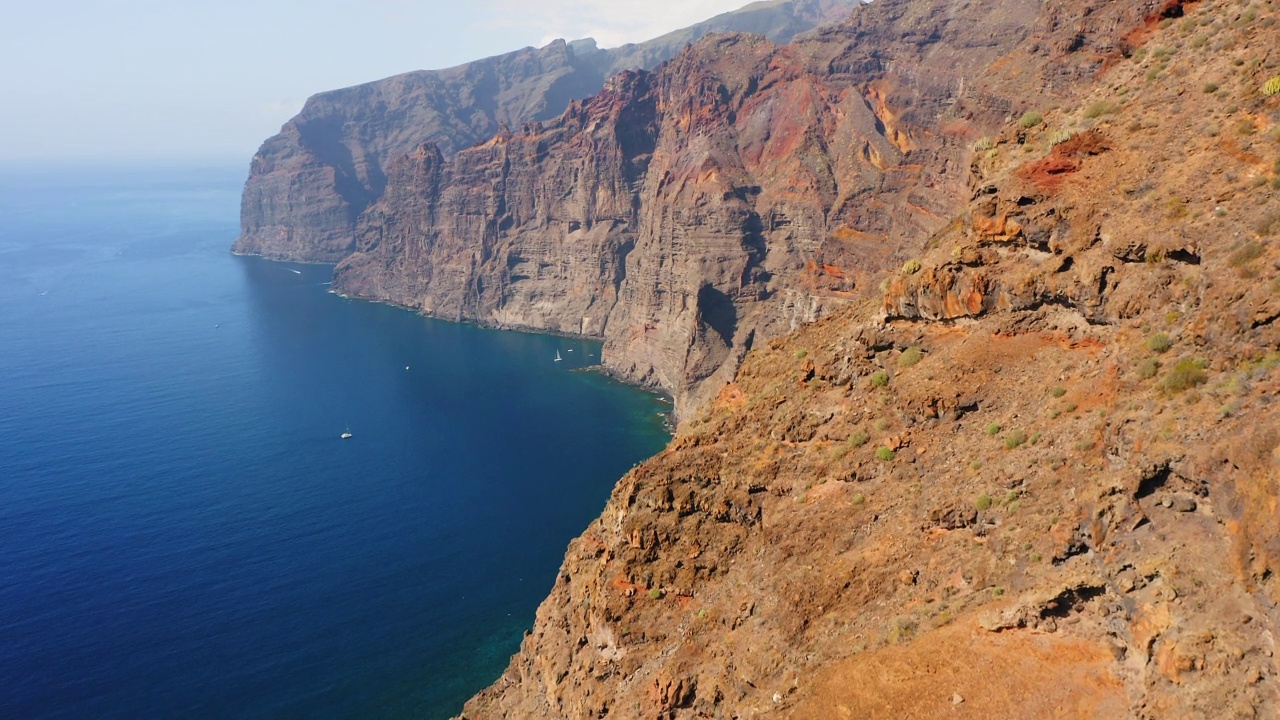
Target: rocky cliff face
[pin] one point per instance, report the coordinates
(740, 190)
(1036, 477)
(308, 184)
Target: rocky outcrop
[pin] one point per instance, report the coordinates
(308, 184)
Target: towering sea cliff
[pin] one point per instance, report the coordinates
(308, 184)
(738, 191)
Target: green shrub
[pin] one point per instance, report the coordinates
(993, 429)
(859, 438)
(1100, 108)
(1015, 439)
(910, 357)
(1185, 374)
(1271, 87)
(1058, 391)
(911, 267)
(983, 145)
(859, 499)
(800, 354)
(1060, 137)
(884, 453)
(983, 502)
(881, 425)
(1030, 119)
(879, 378)
(1209, 88)
(1069, 407)
(1159, 343)
(655, 594)
(1147, 368)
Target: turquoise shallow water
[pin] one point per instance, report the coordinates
(182, 532)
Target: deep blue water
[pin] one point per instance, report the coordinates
(183, 533)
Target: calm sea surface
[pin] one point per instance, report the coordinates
(182, 532)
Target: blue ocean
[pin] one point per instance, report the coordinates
(183, 533)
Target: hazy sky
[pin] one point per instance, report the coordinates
(203, 80)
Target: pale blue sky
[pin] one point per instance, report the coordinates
(151, 79)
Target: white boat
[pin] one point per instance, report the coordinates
(558, 358)
(346, 435)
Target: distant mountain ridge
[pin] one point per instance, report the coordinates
(309, 183)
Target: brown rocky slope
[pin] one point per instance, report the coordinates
(740, 190)
(308, 184)
(1037, 478)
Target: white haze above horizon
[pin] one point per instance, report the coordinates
(157, 80)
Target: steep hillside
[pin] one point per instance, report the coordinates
(1037, 478)
(741, 189)
(308, 184)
